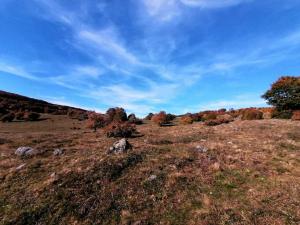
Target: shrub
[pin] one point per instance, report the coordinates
(225, 117)
(120, 129)
(134, 120)
(31, 116)
(296, 115)
(282, 114)
(96, 120)
(209, 116)
(149, 116)
(20, 115)
(216, 122)
(78, 115)
(160, 118)
(170, 117)
(9, 117)
(116, 115)
(186, 119)
(251, 114)
(284, 93)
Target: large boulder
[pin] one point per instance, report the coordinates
(120, 146)
(26, 151)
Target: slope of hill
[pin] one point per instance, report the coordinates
(244, 172)
(15, 103)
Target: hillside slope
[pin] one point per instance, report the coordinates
(245, 172)
(15, 103)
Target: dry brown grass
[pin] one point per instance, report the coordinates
(249, 175)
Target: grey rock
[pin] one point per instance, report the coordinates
(25, 151)
(201, 149)
(120, 146)
(152, 177)
(21, 166)
(58, 152)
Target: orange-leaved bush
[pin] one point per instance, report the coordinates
(160, 118)
(251, 114)
(296, 115)
(116, 114)
(216, 122)
(187, 119)
(96, 120)
(120, 129)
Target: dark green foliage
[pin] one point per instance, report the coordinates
(282, 114)
(284, 93)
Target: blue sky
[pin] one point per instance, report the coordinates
(148, 55)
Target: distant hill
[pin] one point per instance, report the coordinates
(15, 103)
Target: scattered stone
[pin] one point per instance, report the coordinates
(152, 177)
(58, 152)
(216, 166)
(25, 151)
(201, 149)
(21, 166)
(120, 146)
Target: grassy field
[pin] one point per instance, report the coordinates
(250, 174)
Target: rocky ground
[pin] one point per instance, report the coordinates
(244, 172)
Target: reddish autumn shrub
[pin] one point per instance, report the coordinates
(149, 116)
(78, 115)
(31, 116)
(116, 115)
(160, 118)
(209, 116)
(134, 120)
(251, 114)
(186, 119)
(296, 115)
(96, 120)
(9, 117)
(120, 129)
(20, 115)
(216, 122)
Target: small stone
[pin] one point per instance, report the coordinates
(152, 177)
(21, 166)
(201, 149)
(58, 152)
(216, 166)
(25, 151)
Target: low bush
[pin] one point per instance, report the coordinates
(251, 114)
(209, 116)
(282, 114)
(20, 115)
(78, 115)
(160, 118)
(31, 116)
(134, 120)
(9, 117)
(188, 119)
(149, 116)
(170, 117)
(216, 122)
(296, 115)
(96, 120)
(120, 129)
(116, 115)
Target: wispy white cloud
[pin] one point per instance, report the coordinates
(168, 10)
(212, 3)
(16, 70)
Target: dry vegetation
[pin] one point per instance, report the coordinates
(248, 174)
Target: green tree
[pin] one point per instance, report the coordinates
(284, 94)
